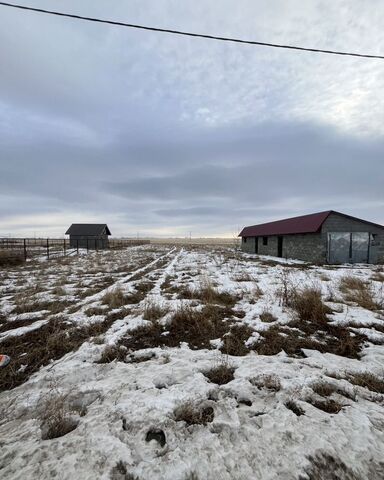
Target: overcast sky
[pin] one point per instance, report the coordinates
(163, 135)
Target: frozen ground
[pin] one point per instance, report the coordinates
(179, 363)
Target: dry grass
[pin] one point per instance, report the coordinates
(193, 326)
(294, 407)
(10, 258)
(59, 291)
(325, 389)
(329, 405)
(91, 311)
(308, 306)
(267, 381)
(243, 277)
(154, 311)
(378, 277)
(113, 352)
(267, 317)
(10, 325)
(120, 472)
(367, 380)
(324, 466)
(56, 419)
(358, 291)
(51, 341)
(54, 307)
(322, 337)
(324, 277)
(193, 414)
(198, 327)
(208, 294)
(115, 298)
(234, 340)
(220, 374)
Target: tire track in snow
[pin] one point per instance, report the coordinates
(82, 304)
(120, 327)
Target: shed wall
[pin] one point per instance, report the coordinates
(338, 223)
(91, 242)
(313, 247)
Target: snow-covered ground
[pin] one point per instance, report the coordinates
(300, 403)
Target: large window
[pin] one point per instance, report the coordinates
(265, 240)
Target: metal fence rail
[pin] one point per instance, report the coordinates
(55, 247)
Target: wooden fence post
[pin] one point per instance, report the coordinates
(87, 245)
(77, 246)
(64, 247)
(47, 248)
(25, 249)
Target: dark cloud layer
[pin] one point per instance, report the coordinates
(164, 137)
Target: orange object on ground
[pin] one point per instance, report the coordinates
(4, 360)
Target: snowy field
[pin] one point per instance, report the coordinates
(191, 363)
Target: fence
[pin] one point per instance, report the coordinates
(25, 248)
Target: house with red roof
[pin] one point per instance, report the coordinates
(325, 237)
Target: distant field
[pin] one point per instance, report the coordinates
(169, 361)
(197, 241)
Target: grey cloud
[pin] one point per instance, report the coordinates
(159, 133)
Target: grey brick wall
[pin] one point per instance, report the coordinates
(309, 247)
(312, 247)
(248, 246)
(270, 249)
(338, 223)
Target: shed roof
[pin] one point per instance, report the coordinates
(88, 229)
(304, 224)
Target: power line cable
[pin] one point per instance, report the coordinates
(190, 34)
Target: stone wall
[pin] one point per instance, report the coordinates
(248, 244)
(270, 249)
(309, 247)
(338, 223)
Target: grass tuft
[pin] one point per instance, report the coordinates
(193, 414)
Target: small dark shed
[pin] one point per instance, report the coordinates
(88, 235)
(325, 237)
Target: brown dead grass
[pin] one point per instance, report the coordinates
(56, 419)
(193, 326)
(358, 291)
(378, 277)
(53, 307)
(208, 294)
(154, 311)
(325, 390)
(294, 407)
(367, 380)
(328, 406)
(111, 353)
(5, 326)
(267, 381)
(35, 349)
(308, 306)
(115, 298)
(220, 374)
(193, 414)
(267, 316)
(324, 466)
(91, 311)
(10, 258)
(234, 340)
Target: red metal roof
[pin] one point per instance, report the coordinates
(304, 224)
